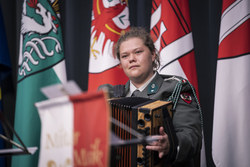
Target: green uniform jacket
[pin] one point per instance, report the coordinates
(186, 116)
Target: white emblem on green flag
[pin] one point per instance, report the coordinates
(41, 63)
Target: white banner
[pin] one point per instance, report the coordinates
(56, 147)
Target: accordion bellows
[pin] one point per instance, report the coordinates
(145, 116)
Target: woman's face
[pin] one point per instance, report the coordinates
(136, 60)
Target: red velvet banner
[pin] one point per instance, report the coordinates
(91, 130)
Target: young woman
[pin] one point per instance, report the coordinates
(139, 60)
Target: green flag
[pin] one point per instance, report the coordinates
(41, 63)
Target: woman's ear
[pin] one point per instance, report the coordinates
(153, 56)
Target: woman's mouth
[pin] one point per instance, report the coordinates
(133, 66)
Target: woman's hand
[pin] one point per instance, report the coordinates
(161, 145)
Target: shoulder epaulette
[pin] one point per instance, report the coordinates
(176, 94)
(172, 78)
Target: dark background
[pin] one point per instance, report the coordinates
(76, 21)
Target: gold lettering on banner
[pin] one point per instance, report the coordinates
(84, 157)
(60, 138)
(76, 138)
(67, 163)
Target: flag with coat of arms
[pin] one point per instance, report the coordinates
(171, 30)
(41, 63)
(109, 20)
(172, 34)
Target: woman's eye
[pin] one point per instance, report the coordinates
(138, 52)
(124, 56)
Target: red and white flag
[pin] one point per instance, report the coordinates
(109, 19)
(75, 131)
(231, 134)
(172, 34)
(171, 31)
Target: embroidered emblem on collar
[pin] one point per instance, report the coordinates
(153, 88)
(186, 97)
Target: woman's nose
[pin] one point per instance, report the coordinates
(132, 57)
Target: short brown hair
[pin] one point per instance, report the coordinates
(141, 33)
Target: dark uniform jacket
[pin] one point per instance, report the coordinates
(186, 115)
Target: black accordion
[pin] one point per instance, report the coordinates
(145, 116)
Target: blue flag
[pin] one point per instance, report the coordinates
(4, 52)
(4, 71)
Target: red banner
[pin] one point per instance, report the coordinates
(91, 130)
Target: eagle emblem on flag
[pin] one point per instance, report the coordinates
(109, 19)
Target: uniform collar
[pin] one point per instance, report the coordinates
(132, 87)
(150, 87)
(155, 84)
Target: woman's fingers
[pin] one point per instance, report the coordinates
(161, 145)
